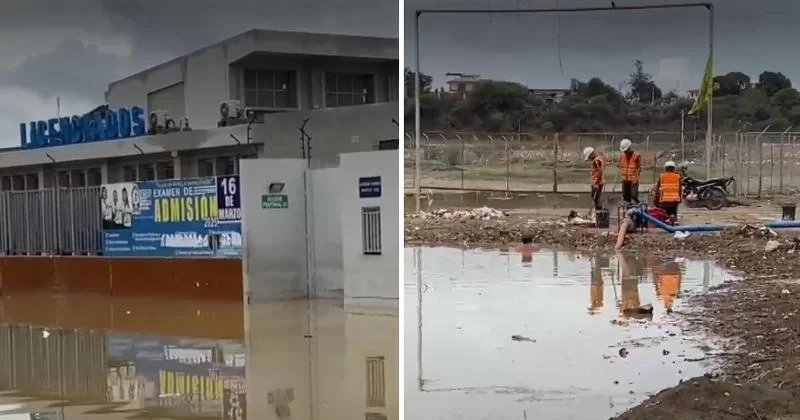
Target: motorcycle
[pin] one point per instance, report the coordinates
(711, 193)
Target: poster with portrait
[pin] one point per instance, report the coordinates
(119, 203)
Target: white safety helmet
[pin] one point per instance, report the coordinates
(669, 164)
(624, 145)
(587, 152)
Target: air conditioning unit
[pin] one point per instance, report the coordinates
(158, 121)
(231, 109)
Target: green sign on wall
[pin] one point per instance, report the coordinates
(274, 201)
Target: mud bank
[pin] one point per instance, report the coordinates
(759, 317)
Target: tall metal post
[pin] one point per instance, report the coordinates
(417, 133)
(683, 135)
(709, 129)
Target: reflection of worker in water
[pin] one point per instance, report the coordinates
(526, 249)
(596, 287)
(668, 283)
(631, 269)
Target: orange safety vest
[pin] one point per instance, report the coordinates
(629, 167)
(669, 187)
(598, 171)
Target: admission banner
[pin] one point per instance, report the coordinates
(190, 217)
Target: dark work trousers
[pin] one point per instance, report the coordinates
(630, 192)
(597, 192)
(671, 209)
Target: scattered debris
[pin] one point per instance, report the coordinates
(772, 245)
(483, 213)
(517, 337)
(623, 352)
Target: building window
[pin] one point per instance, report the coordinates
(129, 173)
(348, 89)
(147, 172)
(32, 181)
(205, 167)
(165, 170)
(226, 166)
(270, 88)
(94, 177)
(6, 183)
(18, 182)
(63, 179)
(78, 179)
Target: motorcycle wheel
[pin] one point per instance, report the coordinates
(715, 198)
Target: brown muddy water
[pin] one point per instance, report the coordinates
(89, 357)
(550, 335)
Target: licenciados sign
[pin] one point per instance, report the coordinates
(109, 125)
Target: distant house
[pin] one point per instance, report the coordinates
(551, 95)
(462, 84)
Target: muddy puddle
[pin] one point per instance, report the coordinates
(127, 358)
(546, 335)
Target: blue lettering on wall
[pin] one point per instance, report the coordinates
(120, 124)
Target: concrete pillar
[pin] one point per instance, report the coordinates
(176, 165)
(104, 173)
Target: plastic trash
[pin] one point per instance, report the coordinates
(682, 235)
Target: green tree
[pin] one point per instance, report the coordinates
(772, 82)
(425, 83)
(642, 87)
(732, 83)
(786, 99)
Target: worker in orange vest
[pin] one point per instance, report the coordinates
(598, 177)
(668, 191)
(630, 168)
(668, 283)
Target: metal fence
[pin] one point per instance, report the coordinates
(51, 221)
(762, 163)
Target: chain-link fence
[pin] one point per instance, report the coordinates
(51, 221)
(762, 164)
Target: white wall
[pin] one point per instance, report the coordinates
(275, 253)
(327, 270)
(274, 245)
(370, 280)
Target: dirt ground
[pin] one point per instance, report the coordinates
(758, 317)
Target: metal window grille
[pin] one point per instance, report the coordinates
(371, 230)
(376, 382)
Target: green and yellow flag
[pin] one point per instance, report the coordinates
(706, 87)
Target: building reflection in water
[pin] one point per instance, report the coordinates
(297, 360)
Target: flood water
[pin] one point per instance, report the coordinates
(572, 319)
(88, 357)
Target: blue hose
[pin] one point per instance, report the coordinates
(688, 228)
(778, 224)
(783, 224)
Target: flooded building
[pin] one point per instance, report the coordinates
(153, 174)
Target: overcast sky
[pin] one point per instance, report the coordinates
(750, 36)
(73, 49)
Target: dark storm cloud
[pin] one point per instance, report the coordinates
(750, 36)
(72, 68)
(177, 24)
